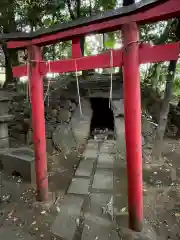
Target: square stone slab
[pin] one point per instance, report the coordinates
(85, 168)
(79, 186)
(117, 205)
(103, 180)
(92, 145)
(90, 153)
(98, 201)
(107, 149)
(70, 210)
(94, 230)
(109, 143)
(105, 160)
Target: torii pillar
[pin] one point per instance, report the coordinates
(38, 122)
(132, 108)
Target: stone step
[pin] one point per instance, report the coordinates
(66, 222)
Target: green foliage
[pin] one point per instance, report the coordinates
(30, 15)
(105, 5)
(109, 40)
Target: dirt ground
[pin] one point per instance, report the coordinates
(162, 190)
(23, 218)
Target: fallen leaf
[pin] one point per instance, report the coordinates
(177, 214)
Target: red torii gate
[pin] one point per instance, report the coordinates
(129, 57)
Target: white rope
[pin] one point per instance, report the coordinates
(49, 81)
(77, 81)
(27, 85)
(28, 88)
(111, 66)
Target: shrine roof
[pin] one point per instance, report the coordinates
(123, 11)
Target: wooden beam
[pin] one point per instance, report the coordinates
(158, 53)
(148, 54)
(83, 63)
(164, 11)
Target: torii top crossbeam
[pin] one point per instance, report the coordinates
(146, 11)
(130, 56)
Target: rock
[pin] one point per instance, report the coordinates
(118, 107)
(63, 138)
(72, 106)
(49, 146)
(54, 112)
(29, 138)
(143, 141)
(63, 115)
(81, 123)
(49, 130)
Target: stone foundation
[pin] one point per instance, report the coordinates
(66, 128)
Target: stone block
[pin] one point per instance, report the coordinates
(103, 180)
(79, 186)
(105, 160)
(65, 224)
(85, 168)
(20, 160)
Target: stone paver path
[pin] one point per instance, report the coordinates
(93, 184)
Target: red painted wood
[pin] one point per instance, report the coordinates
(132, 107)
(38, 123)
(158, 53)
(76, 48)
(148, 54)
(162, 11)
(84, 63)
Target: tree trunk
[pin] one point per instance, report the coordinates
(157, 148)
(11, 57)
(10, 60)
